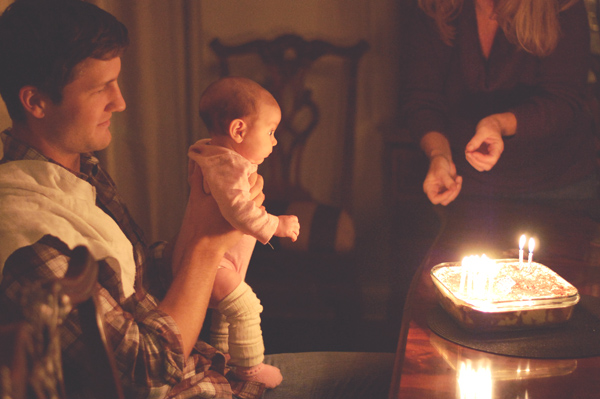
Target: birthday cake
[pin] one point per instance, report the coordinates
(505, 294)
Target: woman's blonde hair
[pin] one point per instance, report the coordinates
(531, 24)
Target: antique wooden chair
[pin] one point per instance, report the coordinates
(287, 60)
(313, 278)
(30, 353)
(80, 286)
(593, 9)
(15, 341)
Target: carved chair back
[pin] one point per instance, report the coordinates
(30, 351)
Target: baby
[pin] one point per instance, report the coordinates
(241, 117)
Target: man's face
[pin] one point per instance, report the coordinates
(80, 122)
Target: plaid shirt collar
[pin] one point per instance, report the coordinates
(15, 150)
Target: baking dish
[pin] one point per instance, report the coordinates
(520, 296)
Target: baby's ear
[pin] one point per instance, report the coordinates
(237, 130)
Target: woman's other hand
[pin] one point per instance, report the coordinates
(442, 185)
(486, 146)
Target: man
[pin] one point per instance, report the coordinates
(60, 95)
(59, 65)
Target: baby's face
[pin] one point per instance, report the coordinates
(259, 140)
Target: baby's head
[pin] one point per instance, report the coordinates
(241, 115)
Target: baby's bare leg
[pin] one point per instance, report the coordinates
(225, 282)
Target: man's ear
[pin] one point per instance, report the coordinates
(237, 130)
(33, 101)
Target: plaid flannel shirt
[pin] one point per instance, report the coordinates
(146, 342)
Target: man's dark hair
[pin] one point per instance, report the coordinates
(42, 42)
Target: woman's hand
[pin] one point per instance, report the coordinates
(486, 146)
(442, 185)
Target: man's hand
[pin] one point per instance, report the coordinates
(486, 146)
(288, 227)
(203, 219)
(441, 184)
(257, 184)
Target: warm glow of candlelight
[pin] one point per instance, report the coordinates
(475, 380)
(522, 242)
(531, 247)
(531, 244)
(477, 277)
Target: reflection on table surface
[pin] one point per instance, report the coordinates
(567, 240)
(465, 361)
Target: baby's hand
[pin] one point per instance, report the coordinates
(288, 227)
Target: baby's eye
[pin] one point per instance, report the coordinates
(272, 132)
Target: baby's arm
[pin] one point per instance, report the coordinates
(288, 227)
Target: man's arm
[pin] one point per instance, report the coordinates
(203, 239)
(145, 341)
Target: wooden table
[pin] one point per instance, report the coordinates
(428, 366)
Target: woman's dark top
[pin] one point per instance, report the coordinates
(449, 89)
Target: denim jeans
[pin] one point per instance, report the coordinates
(331, 375)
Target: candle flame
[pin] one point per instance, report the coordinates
(477, 277)
(522, 241)
(531, 244)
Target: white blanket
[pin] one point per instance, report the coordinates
(39, 198)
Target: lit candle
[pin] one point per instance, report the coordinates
(531, 247)
(463, 274)
(470, 275)
(484, 272)
(480, 278)
(490, 275)
(521, 245)
(477, 277)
